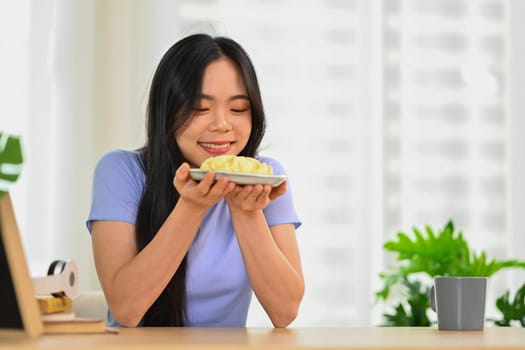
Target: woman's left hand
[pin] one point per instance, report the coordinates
(254, 197)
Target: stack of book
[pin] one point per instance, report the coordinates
(58, 317)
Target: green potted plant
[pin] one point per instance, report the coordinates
(444, 253)
(10, 161)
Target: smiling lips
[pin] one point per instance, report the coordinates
(216, 148)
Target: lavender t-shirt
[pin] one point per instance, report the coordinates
(217, 285)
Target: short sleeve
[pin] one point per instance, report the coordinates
(118, 182)
(281, 210)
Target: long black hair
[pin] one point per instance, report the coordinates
(174, 91)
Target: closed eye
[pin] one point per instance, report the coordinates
(239, 110)
(200, 110)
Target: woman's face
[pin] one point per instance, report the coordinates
(222, 121)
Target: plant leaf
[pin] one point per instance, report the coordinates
(10, 161)
(511, 309)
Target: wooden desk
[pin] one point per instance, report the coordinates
(267, 338)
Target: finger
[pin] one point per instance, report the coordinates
(278, 191)
(244, 194)
(209, 178)
(220, 186)
(263, 196)
(267, 189)
(231, 187)
(256, 192)
(206, 183)
(183, 172)
(181, 176)
(231, 193)
(253, 195)
(234, 193)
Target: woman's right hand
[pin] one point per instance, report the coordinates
(203, 194)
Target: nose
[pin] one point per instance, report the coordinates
(221, 121)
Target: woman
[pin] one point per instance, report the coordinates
(170, 251)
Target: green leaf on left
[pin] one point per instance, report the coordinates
(10, 161)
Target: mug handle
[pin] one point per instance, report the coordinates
(432, 296)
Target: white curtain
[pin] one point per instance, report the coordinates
(326, 73)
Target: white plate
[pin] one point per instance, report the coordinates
(241, 178)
